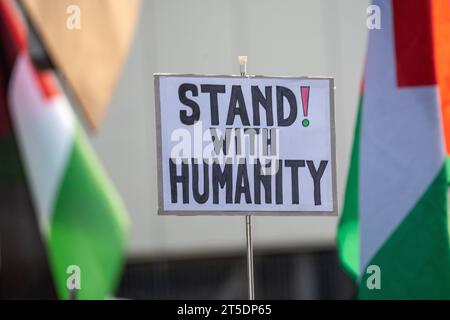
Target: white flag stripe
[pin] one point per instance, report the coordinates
(401, 145)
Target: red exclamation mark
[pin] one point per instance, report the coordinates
(304, 92)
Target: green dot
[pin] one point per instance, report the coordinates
(305, 122)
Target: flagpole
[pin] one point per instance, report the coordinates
(248, 218)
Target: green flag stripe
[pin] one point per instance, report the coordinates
(88, 226)
(415, 259)
(348, 229)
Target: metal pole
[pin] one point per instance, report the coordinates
(248, 218)
(251, 279)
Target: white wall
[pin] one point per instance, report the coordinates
(287, 37)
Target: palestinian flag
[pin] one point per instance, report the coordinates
(395, 214)
(24, 269)
(81, 217)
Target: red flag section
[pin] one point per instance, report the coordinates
(422, 49)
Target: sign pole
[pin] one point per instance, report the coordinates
(251, 279)
(248, 218)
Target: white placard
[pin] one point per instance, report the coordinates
(237, 146)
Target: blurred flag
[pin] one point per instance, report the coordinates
(87, 37)
(81, 217)
(395, 211)
(24, 269)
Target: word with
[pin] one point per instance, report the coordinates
(229, 147)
